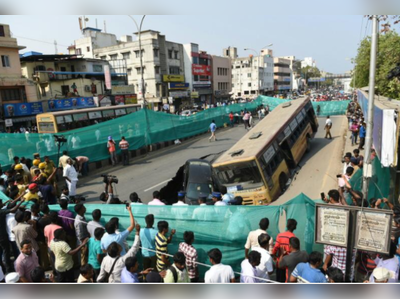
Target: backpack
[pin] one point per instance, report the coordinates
(174, 273)
(108, 274)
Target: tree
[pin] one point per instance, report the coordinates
(387, 59)
(310, 72)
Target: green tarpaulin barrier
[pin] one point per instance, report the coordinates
(141, 128)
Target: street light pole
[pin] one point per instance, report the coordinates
(371, 98)
(139, 29)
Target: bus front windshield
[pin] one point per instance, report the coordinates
(245, 174)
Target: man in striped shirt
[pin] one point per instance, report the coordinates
(162, 245)
(124, 146)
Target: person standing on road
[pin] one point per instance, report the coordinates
(328, 126)
(71, 178)
(213, 128)
(362, 133)
(246, 118)
(112, 151)
(231, 118)
(124, 146)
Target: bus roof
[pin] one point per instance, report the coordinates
(269, 128)
(64, 112)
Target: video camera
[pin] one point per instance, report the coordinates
(60, 138)
(109, 179)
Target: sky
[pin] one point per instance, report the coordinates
(332, 40)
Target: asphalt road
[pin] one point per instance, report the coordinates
(153, 171)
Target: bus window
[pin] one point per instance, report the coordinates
(131, 109)
(120, 112)
(47, 127)
(108, 114)
(246, 174)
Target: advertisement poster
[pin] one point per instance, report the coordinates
(22, 109)
(73, 103)
(201, 70)
(119, 100)
(130, 99)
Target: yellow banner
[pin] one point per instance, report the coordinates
(173, 78)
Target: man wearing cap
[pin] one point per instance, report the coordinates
(217, 199)
(32, 193)
(71, 177)
(16, 162)
(19, 170)
(112, 151)
(35, 166)
(180, 212)
(380, 275)
(12, 277)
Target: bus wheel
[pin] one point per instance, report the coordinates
(308, 148)
(282, 181)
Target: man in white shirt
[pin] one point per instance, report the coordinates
(63, 160)
(218, 273)
(71, 177)
(202, 213)
(328, 126)
(265, 268)
(249, 270)
(252, 239)
(217, 199)
(180, 211)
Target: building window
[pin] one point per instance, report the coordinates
(176, 54)
(87, 49)
(126, 55)
(129, 72)
(249, 84)
(155, 52)
(170, 54)
(137, 53)
(114, 57)
(196, 77)
(103, 57)
(65, 89)
(195, 60)
(233, 85)
(5, 61)
(174, 70)
(157, 70)
(13, 94)
(249, 75)
(138, 70)
(2, 33)
(98, 68)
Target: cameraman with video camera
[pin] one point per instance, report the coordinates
(108, 195)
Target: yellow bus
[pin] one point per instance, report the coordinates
(259, 165)
(61, 121)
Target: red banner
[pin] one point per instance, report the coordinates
(201, 70)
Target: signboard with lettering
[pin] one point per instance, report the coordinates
(178, 94)
(119, 100)
(178, 85)
(22, 109)
(201, 70)
(130, 99)
(73, 103)
(373, 231)
(107, 76)
(122, 89)
(202, 84)
(332, 225)
(173, 78)
(194, 95)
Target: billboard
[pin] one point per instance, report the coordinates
(73, 103)
(178, 85)
(130, 99)
(201, 70)
(22, 109)
(173, 78)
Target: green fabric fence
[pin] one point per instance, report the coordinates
(141, 128)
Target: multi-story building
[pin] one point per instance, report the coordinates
(198, 74)
(62, 76)
(282, 75)
(92, 39)
(222, 78)
(15, 89)
(163, 66)
(251, 76)
(308, 61)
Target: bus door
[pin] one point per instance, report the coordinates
(285, 148)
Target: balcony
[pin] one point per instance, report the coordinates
(278, 69)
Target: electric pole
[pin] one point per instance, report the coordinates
(371, 97)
